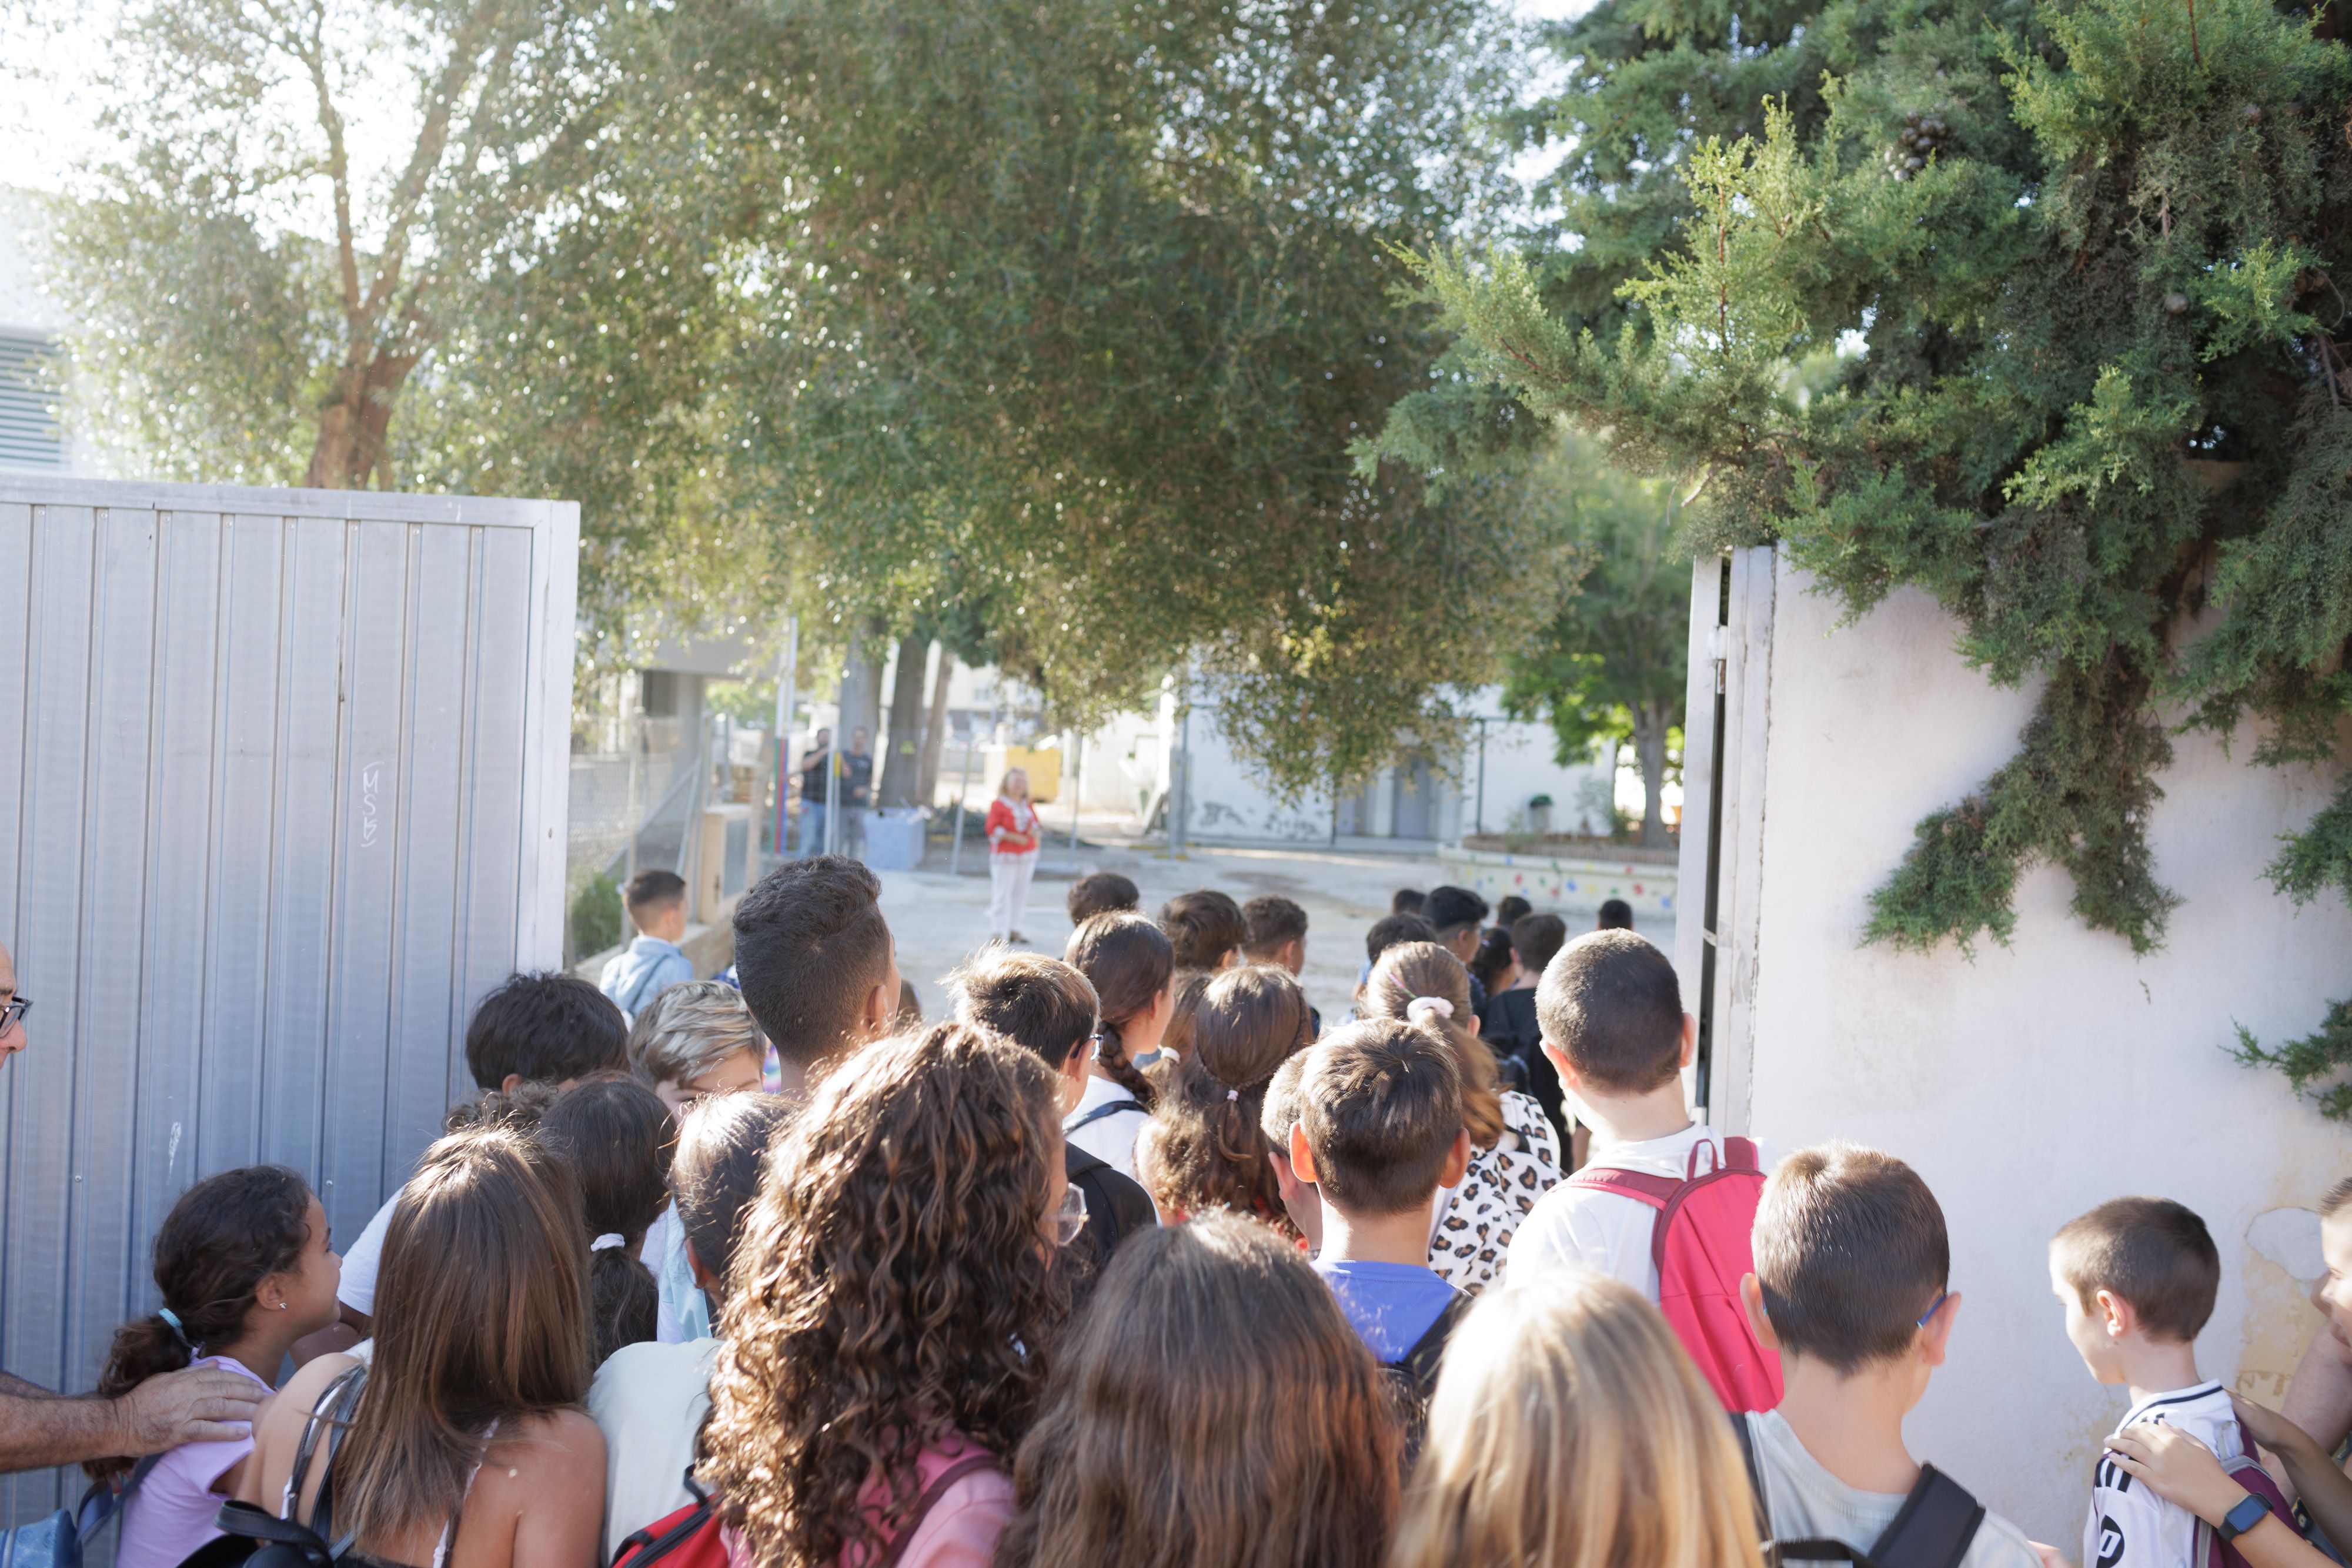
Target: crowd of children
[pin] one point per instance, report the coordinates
(1136, 1261)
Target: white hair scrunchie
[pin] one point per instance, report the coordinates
(609, 1239)
(1438, 1004)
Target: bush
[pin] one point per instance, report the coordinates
(596, 915)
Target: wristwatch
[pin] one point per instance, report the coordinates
(2251, 1512)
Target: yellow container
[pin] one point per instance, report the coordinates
(1042, 764)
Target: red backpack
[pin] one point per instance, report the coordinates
(1699, 1242)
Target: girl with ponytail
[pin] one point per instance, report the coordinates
(1203, 1148)
(1132, 967)
(616, 1138)
(1514, 1153)
(245, 1269)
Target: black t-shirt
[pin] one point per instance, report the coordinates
(1116, 1208)
(856, 778)
(1508, 1026)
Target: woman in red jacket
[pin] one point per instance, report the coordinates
(1012, 840)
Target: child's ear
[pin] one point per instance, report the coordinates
(1302, 1158)
(1690, 1043)
(881, 1006)
(1938, 1334)
(703, 1278)
(1751, 1296)
(2115, 1314)
(1569, 1082)
(1457, 1161)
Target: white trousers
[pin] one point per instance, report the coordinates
(1008, 890)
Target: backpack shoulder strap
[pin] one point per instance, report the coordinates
(1421, 1363)
(1109, 1108)
(1656, 1191)
(924, 1504)
(1739, 1154)
(1932, 1527)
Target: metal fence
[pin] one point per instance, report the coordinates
(283, 782)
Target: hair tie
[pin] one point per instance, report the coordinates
(179, 1330)
(1437, 1005)
(609, 1239)
(1232, 1093)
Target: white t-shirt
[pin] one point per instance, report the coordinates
(357, 1290)
(2130, 1526)
(1573, 1226)
(1111, 1138)
(650, 1399)
(1805, 1503)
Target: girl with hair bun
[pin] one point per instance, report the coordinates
(1132, 966)
(245, 1269)
(1203, 1148)
(1514, 1151)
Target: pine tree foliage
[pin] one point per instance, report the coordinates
(2081, 257)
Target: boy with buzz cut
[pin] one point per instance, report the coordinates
(1378, 1131)
(2137, 1277)
(652, 962)
(1853, 1268)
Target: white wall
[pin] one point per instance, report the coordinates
(2039, 1079)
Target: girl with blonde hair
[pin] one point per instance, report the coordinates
(1570, 1429)
(1514, 1151)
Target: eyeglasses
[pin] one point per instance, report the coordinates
(13, 1011)
(1937, 1306)
(1071, 1218)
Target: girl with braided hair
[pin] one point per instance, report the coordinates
(1203, 1148)
(1132, 966)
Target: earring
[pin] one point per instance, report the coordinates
(281, 1306)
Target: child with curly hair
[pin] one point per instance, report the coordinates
(888, 1308)
(1203, 1148)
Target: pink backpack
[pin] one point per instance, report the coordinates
(1700, 1243)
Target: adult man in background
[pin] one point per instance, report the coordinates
(814, 763)
(856, 794)
(39, 1428)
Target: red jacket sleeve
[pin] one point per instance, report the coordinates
(1000, 815)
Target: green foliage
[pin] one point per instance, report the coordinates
(2099, 396)
(596, 915)
(2312, 1063)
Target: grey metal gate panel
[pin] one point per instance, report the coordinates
(282, 792)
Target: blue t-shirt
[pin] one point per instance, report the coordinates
(1390, 1305)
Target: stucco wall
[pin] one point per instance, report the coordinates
(2031, 1081)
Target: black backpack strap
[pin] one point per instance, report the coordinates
(1110, 1108)
(1778, 1552)
(1935, 1526)
(1420, 1363)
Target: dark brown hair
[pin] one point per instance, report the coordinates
(1610, 1003)
(1128, 961)
(651, 891)
(1031, 1001)
(1212, 1407)
(1100, 892)
(722, 1155)
(1389, 930)
(2151, 1252)
(1851, 1252)
(1380, 1106)
(1271, 921)
(1492, 961)
(1282, 1105)
(481, 1318)
(1538, 938)
(224, 1237)
(895, 1278)
(810, 946)
(1406, 974)
(1204, 925)
(1202, 1148)
(1510, 909)
(614, 1134)
(1407, 901)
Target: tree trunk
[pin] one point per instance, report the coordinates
(1649, 721)
(861, 685)
(935, 731)
(355, 431)
(902, 753)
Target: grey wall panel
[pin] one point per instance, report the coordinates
(276, 776)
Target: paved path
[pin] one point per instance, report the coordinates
(940, 920)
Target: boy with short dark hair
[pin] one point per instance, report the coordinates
(1050, 1007)
(1508, 1022)
(1205, 927)
(816, 964)
(1277, 1112)
(653, 961)
(2137, 1277)
(1101, 893)
(1851, 1269)
(1407, 901)
(1616, 914)
(1274, 932)
(1378, 1131)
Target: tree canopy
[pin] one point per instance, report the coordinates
(2079, 258)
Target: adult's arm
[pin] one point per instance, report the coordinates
(2180, 1469)
(2325, 1490)
(199, 1405)
(2319, 1397)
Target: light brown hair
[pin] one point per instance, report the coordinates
(1850, 1251)
(1212, 1407)
(481, 1318)
(1412, 970)
(1031, 1001)
(1570, 1429)
(894, 1277)
(690, 1029)
(1610, 1003)
(2152, 1253)
(1204, 925)
(1281, 1106)
(1128, 961)
(1202, 1148)
(1380, 1106)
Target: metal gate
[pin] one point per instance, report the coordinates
(282, 781)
